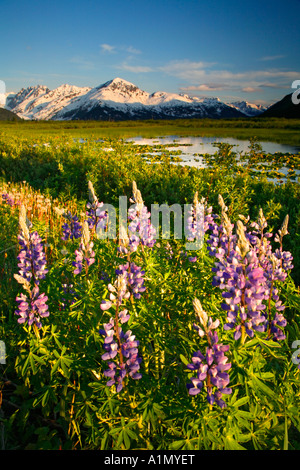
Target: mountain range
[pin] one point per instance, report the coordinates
(285, 108)
(6, 115)
(118, 100)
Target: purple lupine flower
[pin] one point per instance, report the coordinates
(31, 310)
(32, 268)
(198, 222)
(104, 277)
(8, 199)
(97, 217)
(32, 260)
(244, 295)
(121, 348)
(140, 227)
(221, 240)
(118, 292)
(246, 272)
(142, 231)
(212, 368)
(69, 295)
(134, 278)
(72, 228)
(85, 256)
(169, 251)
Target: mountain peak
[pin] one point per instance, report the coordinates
(249, 109)
(120, 81)
(121, 85)
(116, 99)
(120, 91)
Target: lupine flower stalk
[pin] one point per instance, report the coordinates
(211, 368)
(121, 348)
(140, 227)
(198, 222)
(123, 247)
(85, 256)
(72, 228)
(32, 269)
(247, 271)
(97, 217)
(134, 278)
(221, 240)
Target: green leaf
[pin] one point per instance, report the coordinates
(250, 344)
(63, 362)
(245, 414)
(232, 444)
(259, 385)
(177, 444)
(184, 360)
(241, 402)
(286, 435)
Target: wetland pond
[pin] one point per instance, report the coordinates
(190, 149)
(279, 161)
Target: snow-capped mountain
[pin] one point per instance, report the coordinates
(249, 109)
(116, 100)
(39, 102)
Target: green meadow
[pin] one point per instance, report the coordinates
(284, 131)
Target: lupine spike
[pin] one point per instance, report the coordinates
(92, 195)
(24, 223)
(200, 312)
(121, 349)
(212, 367)
(32, 264)
(243, 243)
(246, 274)
(142, 231)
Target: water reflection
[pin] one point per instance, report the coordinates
(191, 146)
(190, 150)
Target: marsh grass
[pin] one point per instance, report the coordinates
(284, 131)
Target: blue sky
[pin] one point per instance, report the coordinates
(231, 49)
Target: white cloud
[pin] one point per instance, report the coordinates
(108, 48)
(272, 57)
(251, 89)
(205, 87)
(186, 69)
(132, 50)
(135, 68)
(202, 76)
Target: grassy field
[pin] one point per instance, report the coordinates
(135, 341)
(283, 131)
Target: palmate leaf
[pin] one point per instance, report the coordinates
(231, 444)
(63, 363)
(47, 395)
(184, 444)
(31, 362)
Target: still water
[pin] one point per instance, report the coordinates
(193, 147)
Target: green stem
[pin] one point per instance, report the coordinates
(118, 334)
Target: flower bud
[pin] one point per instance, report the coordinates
(200, 312)
(243, 243)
